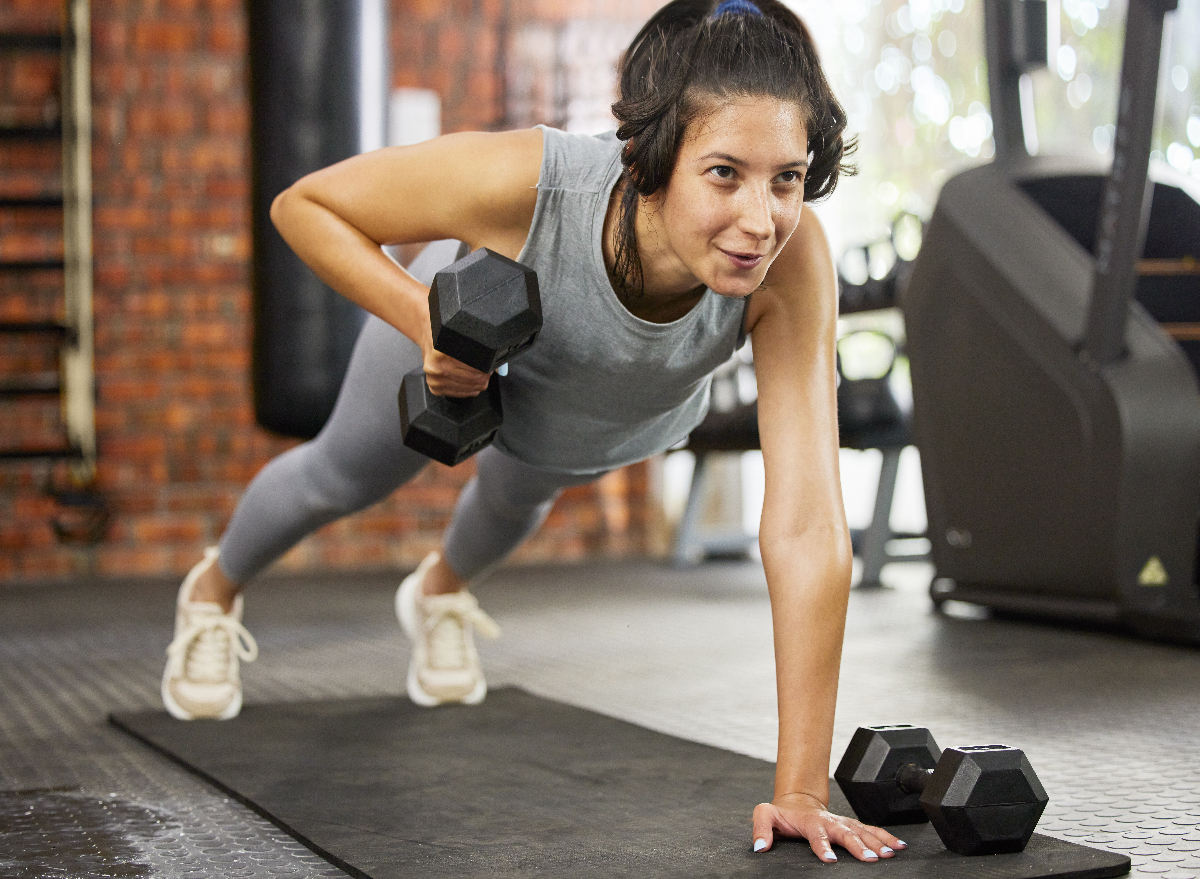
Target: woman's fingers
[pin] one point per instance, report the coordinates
(822, 829)
(822, 846)
(764, 826)
(448, 377)
(863, 841)
(451, 387)
(860, 845)
(769, 819)
(879, 840)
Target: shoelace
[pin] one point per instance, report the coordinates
(201, 650)
(446, 621)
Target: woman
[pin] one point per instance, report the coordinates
(656, 251)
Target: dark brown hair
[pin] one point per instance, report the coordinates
(683, 60)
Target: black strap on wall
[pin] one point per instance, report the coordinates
(318, 90)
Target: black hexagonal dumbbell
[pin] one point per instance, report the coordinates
(982, 799)
(484, 309)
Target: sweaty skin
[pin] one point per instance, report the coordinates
(730, 218)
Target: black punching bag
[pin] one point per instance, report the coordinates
(318, 87)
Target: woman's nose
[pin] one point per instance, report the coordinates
(755, 214)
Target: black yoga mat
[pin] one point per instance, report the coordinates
(522, 786)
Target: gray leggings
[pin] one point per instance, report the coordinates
(358, 459)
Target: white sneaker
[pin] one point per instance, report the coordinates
(444, 665)
(201, 678)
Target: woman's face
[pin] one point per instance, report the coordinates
(734, 197)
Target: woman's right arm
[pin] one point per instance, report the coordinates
(475, 187)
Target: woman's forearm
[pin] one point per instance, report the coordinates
(352, 264)
(809, 580)
(336, 219)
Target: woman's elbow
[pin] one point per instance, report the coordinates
(281, 205)
(829, 541)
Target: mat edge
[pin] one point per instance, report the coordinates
(1102, 872)
(349, 869)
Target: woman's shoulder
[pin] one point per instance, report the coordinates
(506, 158)
(577, 161)
(485, 184)
(801, 283)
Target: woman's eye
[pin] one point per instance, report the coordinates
(722, 171)
(790, 177)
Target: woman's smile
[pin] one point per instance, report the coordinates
(744, 261)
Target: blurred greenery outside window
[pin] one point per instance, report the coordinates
(913, 79)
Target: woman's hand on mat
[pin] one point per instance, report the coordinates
(448, 377)
(803, 815)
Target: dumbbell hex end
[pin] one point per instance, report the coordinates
(867, 774)
(485, 309)
(984, 800)
(447, 429)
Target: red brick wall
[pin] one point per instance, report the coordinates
(172, 302)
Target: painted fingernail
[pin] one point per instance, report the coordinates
(870, 855)
(760, 844)
(885, 850)
(900, 843)
(829, 856)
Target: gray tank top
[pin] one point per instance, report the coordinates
(601, 388)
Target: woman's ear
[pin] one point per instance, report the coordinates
(652, 202)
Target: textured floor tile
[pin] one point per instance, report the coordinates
(687, 652)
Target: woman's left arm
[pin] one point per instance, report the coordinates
(804, 539)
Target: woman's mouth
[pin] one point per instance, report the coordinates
(744, 260)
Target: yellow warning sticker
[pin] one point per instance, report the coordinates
(1153, 574)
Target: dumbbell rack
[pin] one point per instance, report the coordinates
(74, 383)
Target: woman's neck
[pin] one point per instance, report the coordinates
(660, 299)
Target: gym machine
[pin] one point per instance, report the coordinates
(1056, 407)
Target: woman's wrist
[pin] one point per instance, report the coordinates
(801, 798)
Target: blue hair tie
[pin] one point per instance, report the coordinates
(735, 7)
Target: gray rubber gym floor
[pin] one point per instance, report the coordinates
(1109, 723)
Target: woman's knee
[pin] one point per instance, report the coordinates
(515, 490)
(329, 486)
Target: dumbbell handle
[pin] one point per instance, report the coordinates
(912, 779)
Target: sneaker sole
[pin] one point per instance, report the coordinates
(180, 713)
(406, 610)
